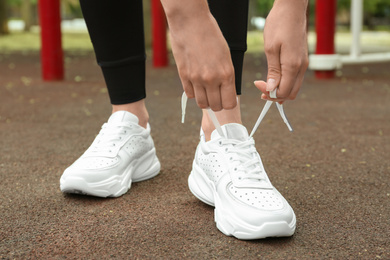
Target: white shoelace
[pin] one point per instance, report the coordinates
(260, 118)
(109, 137)
(243, 153)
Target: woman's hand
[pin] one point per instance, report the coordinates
(201, 53)
(285, 40)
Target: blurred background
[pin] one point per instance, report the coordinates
(334, 169)
(19, 28)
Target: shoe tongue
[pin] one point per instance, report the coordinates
(232, 131)
(123, 116)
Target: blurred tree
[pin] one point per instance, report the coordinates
(263, 7)
(147, 23)
(26, 10)
(71, 9)
(375, 11)
(3, 17)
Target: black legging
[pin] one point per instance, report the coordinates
(117, 34)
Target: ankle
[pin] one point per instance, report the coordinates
(223, 116)
(137, 108)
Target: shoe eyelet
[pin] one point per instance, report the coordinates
(220, 143)
(226, 150)
(231, 158)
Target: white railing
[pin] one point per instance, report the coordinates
(335, 61)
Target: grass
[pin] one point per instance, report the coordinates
(30, 41)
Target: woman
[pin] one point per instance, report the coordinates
(208, 43)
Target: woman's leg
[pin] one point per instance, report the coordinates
(232, 18)
(117, 34)
(123, 152)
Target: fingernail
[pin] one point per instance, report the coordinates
(271, 85)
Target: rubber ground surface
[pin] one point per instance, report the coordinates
(333, 169)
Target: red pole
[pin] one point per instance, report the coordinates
(325, 28)
(52, 58)
(159, 35)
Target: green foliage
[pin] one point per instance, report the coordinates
(372, 9)
(70, 8)
(370, 6)
(17, 3)
(263, 7)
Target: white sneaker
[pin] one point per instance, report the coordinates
(228, 173)
(123, 152)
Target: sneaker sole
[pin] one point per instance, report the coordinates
(204, 190)
(142, 169)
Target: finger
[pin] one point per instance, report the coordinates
(188, 88)
(214, 98)
(298, 84)
(261, 85)
(300, 77)
(201, 97)
(297, 67)
(274, 67)
(287, 82)
(228, 95)
(264, 96)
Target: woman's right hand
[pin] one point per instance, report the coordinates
(202, 55)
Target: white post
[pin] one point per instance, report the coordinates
(356, 26)
(330, 62)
